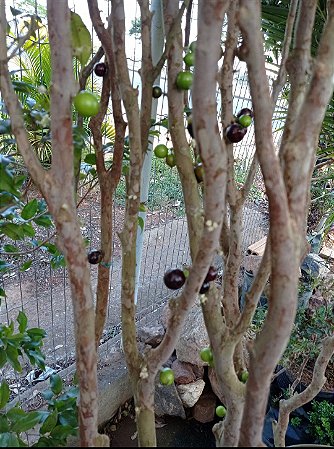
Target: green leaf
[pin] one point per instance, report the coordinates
(68, 418)
(4, 266)
(4, 393)
(9, 439)
(142, 207)
(57, 262)
(12, 356)
(47, 394)
(7, 182)
(14, 413)
(44, 221)
(56, 383)
(50, 422)
(36, 357)
(26, 422)
(15, 11)
(3, 357)
(5, 127)
(22, 320)
(4, 426)
(141, 223)
(10, 248)
(90, 159)
(26, 265)
(12, 231)
(28, 230)
(36, 332)
(62, 432)
(29, 209)
(81, 39)
(22, 86)
(2, 293)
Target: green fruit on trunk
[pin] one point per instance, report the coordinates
(244, 376)
(189, 59)
(206, 354)
(192, 46)
(166, 376)
(220, 411)
(161, 151)
(170, 160)
(184, 80)
(86, 103)
(245, 120)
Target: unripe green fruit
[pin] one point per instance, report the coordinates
(166, 376)
(220, 411)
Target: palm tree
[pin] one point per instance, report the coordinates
(274, 19)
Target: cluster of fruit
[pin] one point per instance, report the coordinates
(166, 377)
(85, 102)
(237, 130)
(175, 279)
(162, 152)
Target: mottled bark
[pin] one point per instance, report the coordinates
(57, 186)
(108, 179)
(287, 198)
(184, 162)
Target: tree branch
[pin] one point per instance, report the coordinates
(284, 250)
(287, 406)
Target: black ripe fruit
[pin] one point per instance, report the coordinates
(95, 256)
(156, 91)
(245, 111)
(100, 69)
(190, 126)
(205, 287)
(198, 170)
(212, 274)
(174, 279)
(235, 132)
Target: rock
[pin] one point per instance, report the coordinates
(151, 335)
(251, 263)
(183, 372)
(193, 338)
(190, 393)
(167, 401)
(205, 408)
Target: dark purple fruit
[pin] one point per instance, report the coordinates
(235, 132)
(190, 126)
(174, 279)
(156, 91)
(245, 111)
(198, 170)
(205, 287)
(95, 256)
(212, 274)
(100, 69)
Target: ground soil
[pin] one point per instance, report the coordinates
(170, 431)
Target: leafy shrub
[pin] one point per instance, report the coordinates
(322, 422)
(56, 423)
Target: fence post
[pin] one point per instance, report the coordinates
(157, 33)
